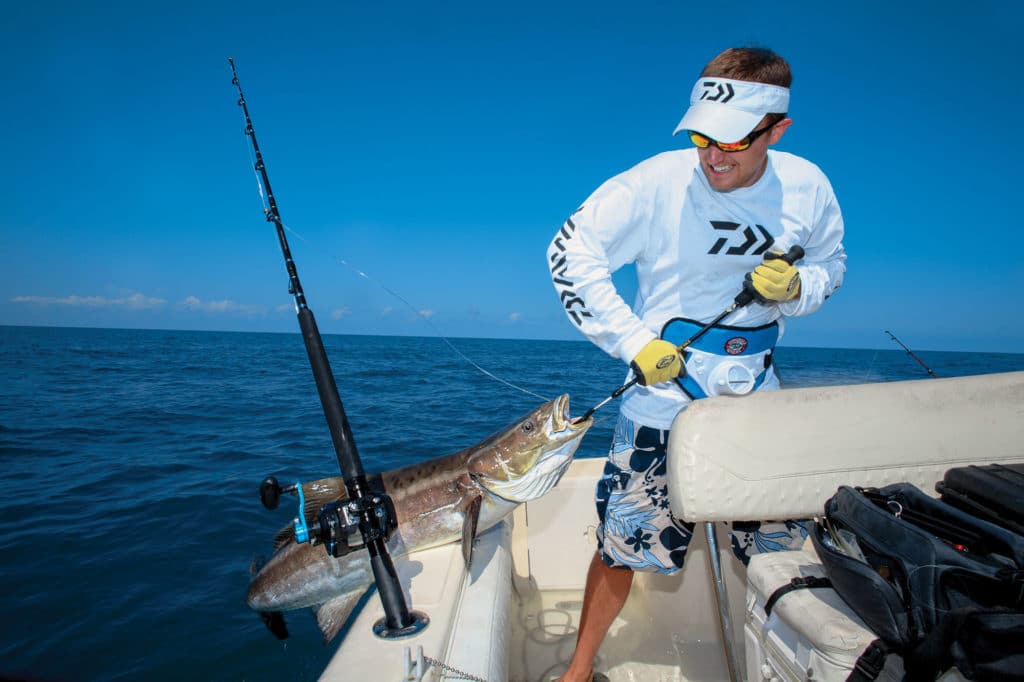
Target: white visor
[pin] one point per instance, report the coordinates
(727, 110)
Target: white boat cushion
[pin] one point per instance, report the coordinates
(781, 454)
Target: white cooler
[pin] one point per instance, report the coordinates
(811, 634)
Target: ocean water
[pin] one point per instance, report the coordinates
(130, 462)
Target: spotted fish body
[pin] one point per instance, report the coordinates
(436, 502)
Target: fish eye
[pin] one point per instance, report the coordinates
(527, 426)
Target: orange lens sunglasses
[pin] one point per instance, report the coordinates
(703, 141)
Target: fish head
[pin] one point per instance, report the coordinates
(528, 457)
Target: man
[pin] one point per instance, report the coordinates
(701, 225)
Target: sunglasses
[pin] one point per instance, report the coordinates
(703, 141)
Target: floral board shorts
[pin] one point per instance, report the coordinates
(637, 529)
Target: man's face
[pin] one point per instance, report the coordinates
(727, 171)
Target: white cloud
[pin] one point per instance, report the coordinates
(192, 303)
(339, 313)
(426, 313)
(515, 317)
(133, 302)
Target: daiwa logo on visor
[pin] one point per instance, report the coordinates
(746, 95)
(718, 92)
(726, 109)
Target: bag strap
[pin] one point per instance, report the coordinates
(799, 583)
(871, 662)
(963, 539)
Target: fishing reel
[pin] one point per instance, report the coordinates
(343, 526)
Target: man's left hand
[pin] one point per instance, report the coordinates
(774, 280)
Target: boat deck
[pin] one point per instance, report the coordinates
(667, 631)
(482, 622)
(544, 634)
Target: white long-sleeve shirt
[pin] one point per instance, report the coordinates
(692, 246)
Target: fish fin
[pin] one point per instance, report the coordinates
(283, 537)
(274, 620)
(470, 519)
(331, 615)
(320, 492)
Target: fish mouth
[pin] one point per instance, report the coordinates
(540, 461)
(561, 420)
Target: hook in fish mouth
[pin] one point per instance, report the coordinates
(530, 457)
(562, 419)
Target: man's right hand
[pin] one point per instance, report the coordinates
(657, 362)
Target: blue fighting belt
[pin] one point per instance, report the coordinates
(724, 360)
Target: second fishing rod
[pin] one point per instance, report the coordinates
(743, 299)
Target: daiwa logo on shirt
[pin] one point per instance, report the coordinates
(747, 242)
(575, 307)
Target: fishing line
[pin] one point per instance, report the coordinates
(392, 292)
(426, 320)
(423, 317)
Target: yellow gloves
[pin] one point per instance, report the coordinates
(774, 280)
(657, 362)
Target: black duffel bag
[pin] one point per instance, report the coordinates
(938, 586)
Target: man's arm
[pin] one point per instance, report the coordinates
(604, 234)
(824, 263)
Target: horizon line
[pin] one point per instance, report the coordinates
(446, 337)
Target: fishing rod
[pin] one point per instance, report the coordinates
(742, 299)
(912, 354)
(368, 509)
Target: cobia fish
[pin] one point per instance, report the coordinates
(436, 502)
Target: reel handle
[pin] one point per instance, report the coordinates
(271, 491)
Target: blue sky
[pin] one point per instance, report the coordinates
(437, 147)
